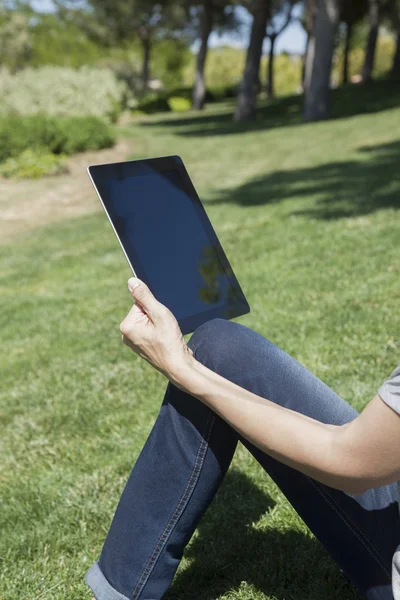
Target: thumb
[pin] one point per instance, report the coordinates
(142, 294)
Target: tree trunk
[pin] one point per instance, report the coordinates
(373, 14)
(199, 88)
(270, 69)
(303, 67)
(247, 96)
(311, 11)
(146, 46)
(349, 31)
(395, 70)
(319, 61)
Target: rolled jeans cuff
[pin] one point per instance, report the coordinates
(100, 586)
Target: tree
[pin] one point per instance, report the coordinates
(247, 96)
(395, 70)
(319, 60)
(346, 52)
(15, 37)
(374, 18)
(209, 15)
(393, 14)
(350, 14)
(206, 25)
(123, 20)
(273, 32)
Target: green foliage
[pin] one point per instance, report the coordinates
(153, 102)
(62, 91)
(382, 64)
(61, 43)
(224, 67)
(287, 73)
(180, 99)
(179, 104)
(15, 39)
(82, 133)
(224, 70)
(168, 60)
(220, 93)
(64, 135)
(33, 164)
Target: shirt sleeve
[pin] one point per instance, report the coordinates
(390, 390)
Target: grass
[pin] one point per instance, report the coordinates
(308, 216)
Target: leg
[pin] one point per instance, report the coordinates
(142, 550)
(175, 477)
(361, 532)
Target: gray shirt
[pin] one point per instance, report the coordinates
(390, 393)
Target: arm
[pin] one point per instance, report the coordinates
(352, 457)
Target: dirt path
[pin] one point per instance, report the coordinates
(28, 204)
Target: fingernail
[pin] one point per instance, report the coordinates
(133, 282)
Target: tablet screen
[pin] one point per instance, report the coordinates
(169, 240)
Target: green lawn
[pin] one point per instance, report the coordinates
(308, 216)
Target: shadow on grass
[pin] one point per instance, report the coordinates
(346, 101)
(284, 564)
(343, 189)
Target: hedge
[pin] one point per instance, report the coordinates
(62, 91)
(62, 135)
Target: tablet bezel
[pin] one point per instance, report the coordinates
(99, 174)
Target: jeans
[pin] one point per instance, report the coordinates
(188, 453)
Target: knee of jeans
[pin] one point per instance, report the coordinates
(224, 346)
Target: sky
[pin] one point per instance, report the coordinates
(292, 40)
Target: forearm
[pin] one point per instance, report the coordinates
(351, 457)
(311, 447)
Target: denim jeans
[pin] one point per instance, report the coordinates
(188, 453)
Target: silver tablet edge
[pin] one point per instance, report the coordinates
(108, 216)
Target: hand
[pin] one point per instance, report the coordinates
(151, 330)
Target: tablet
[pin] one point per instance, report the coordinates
(168, 239)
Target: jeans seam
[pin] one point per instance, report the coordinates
(352, 526)
(178, 510)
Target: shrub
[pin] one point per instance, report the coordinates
(153, 103)
(63, 135)
(34, 163)
(180, 99)
(77, 134)
(63, 91)
(179, 104)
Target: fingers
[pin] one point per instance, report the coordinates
(142, 294)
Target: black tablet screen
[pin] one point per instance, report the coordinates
(170, 243)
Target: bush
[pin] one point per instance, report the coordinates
(179, 104)
(180, 99)
(62, 91)
(153, 103)
(60, 136)
(34, 163)
(77, 134)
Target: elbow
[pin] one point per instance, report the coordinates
(360, 486)
(355, 488)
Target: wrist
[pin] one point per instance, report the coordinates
(180, 375)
